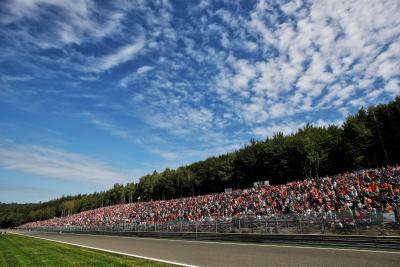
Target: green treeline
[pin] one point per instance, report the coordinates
(369, 138)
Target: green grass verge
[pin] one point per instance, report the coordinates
(27, 251)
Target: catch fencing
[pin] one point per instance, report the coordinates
(346, 222)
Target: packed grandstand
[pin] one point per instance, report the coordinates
(370, 189)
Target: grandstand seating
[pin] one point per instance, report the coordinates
(369, 189)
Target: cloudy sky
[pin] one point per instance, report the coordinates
(98, 92)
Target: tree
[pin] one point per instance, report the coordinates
(368, 138)
(357, 137)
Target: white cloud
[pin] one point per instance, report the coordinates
(57, 164)
(271, 67)
(16, 78)
(136, 75)
(393, 87)
(257, 24)
(289, 127)
(326, 54)
(181, 120)
(250, 46)
(166, 154)
(278, 110)
(255, 111)
(326, 57)
(110, 127)
(78, 23)
(144, 69)
(122, 55)
(290, 7)
(285, 128)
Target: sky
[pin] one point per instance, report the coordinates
(94, 93)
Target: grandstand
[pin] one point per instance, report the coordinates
(359, 194)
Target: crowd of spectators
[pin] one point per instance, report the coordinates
(369, 189)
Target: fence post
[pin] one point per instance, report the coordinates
(181, 226)
(216, 226)
(300, 223)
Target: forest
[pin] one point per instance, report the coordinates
(369, 138)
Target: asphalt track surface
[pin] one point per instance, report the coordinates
(203, 253)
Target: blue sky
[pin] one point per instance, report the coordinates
(98, 92)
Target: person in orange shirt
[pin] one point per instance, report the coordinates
(389, 208)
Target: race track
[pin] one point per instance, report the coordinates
(200, 253)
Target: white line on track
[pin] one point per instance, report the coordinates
(238, 244)
(111, 251)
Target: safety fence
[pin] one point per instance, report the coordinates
(345, 222)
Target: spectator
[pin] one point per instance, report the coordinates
(354, 192)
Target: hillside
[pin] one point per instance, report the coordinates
(369, 138)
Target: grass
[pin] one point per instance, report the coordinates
(27, 251)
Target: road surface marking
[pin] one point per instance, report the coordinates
(112, 251)
(235, 243)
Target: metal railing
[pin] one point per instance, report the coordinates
(345, 222)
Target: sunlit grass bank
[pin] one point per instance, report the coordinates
(27, 251)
